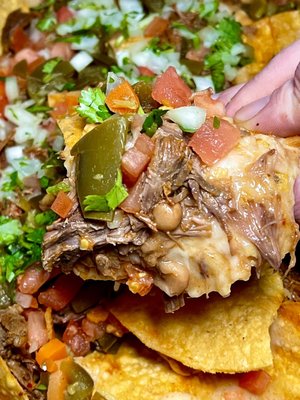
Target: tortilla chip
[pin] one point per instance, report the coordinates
(138, 374)
(267, 37)
(8, 6)
(212, 335)
(9, 386)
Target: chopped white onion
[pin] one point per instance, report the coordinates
(12, 89)
(203, 82)
(130, 6)
(81, 60)
(112, 81)
(24, 299)
(189, 118)
(13, 153)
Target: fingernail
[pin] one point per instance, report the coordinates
(249, 111)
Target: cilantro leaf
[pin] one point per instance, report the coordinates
(13, 183)
(47, 23)
(92, 105)
(110, 200)
(153, 121)
(208, 8)
(10, 230)
(59, 187)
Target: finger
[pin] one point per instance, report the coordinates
(281, 113)
(297, 199)
(279, 70)
(228, 94)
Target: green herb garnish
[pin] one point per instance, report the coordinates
(92, 105)
(216, 122)
(108, 202)
(153, 121)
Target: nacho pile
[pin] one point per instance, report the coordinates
(138, 374)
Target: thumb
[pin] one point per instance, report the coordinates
(297, 199)
(277, 114)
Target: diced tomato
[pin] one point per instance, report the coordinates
(145, 71)
(61, 292)
(144, 144)
(255, 382)
(3, 99)
(213, 107)
(92, 330)
(32, 279)
(171, 90)
(6, 65)
(134, 162)
(19, 39)
(37, 332)
(61, 50)
(62, 204)
(157, 27)
(212, 143)
(34, 64)
(75, 337)
(64, 14)
(132, 202)
(26, 54)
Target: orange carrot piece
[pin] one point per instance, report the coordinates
(51, 351)
(62, 204)
(122, 99)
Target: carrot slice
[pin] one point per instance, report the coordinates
(122, 99)
(62, 204)
(51, 351)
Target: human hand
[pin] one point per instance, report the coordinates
(270, 102)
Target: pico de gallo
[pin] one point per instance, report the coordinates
(106, 62)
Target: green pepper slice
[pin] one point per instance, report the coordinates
(98, 161)
(80, 384)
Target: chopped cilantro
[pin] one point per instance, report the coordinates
(50, 65)
(208, 8)
(92, 105)
(10, 230)
(47, 23)
(59, 187)
(153, 121)
(107, 202)
(38, 109)
(44, 182)
(20, 245)
(229, 34)
(216, 122)
(13, 183)
(158, 46)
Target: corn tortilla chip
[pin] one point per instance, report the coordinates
(6, 7)
(137, 374)
(9, 386)
(267, 37)
(212, 335)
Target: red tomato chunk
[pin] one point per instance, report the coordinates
(170, 90)
(212, 144)
(255, 382)
(61, 292)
